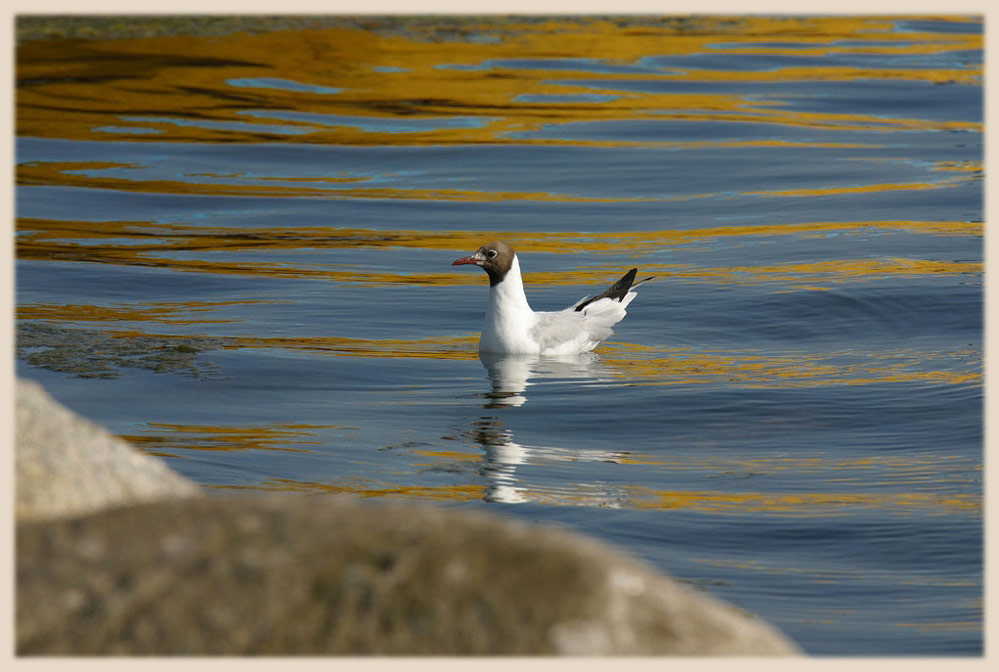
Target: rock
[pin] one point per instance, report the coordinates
(67, 465)
(116, 554)
(284, 575)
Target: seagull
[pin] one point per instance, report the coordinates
(512, 328)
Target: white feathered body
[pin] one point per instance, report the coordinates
(512, 327)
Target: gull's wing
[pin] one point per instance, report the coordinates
(581, 326)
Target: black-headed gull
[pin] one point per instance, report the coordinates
(512, 328)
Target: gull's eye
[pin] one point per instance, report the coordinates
(492, 254)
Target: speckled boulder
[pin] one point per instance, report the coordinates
(116, 554)
(287, 575)
(67, 465)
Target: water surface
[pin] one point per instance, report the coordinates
(234, 251)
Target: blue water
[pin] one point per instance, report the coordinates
(247, 274)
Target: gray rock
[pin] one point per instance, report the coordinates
(67, 465)
(284, 575)
(117, 555)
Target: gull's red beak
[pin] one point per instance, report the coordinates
(471, 259)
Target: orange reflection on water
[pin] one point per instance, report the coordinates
(361, 488)
(454, 348)
(651, 366)
(804, 504)
(280, 437)
(150, 244)
(172, 312)
(638, 497)
(643, 365)
(867, 188)
(345, 82)
(92, 175)
(841, 270)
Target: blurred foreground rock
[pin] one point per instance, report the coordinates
(67, 465)
(289, 575)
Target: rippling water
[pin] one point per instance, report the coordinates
(235, 252)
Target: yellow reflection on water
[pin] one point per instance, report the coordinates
(147, 244)
(279, 437)
(640, 365)
(867, 188)
(807, 504)
(802, 504)
(361, 488)
(94, 176)
(349, 84)
(168, 312)
(644, 365)
(944, 626)
(844, 270)
(453, 348)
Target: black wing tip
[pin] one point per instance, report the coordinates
(618, 290)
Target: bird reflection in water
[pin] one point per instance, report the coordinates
(510, 376)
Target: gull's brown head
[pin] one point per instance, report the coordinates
(494, 258)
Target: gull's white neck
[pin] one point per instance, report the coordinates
(508, 295)
(509, 316)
